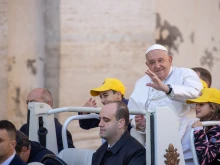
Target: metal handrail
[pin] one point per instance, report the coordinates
(91, 110)
(204, 124)
(69, 119)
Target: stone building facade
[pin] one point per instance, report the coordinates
(70, 46)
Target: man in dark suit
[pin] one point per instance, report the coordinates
(7, 144)
(44, 96)
(17, 161)
(31, 151)
(120, 147)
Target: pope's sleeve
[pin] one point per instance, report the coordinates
(190, 88)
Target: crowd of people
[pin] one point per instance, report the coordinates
(186, 91)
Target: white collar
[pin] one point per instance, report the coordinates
(170, 72)
(171, 69)
(110, 146)
(8, 161)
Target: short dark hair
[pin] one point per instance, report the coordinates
(204, 74)
(22, 141)
(9, 127)
(122, 112)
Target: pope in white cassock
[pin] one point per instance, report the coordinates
(164, 85)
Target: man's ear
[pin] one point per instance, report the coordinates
(146, 63)
(170, 58)
(118, 95)
(13, 143)
(49, 103)
(24, 149)
(121, 123)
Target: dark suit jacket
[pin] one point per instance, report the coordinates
(17, 161)
(58, 127)
(38, 152)
(92, 123)
(126, 151)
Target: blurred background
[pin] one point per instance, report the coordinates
(70, 46)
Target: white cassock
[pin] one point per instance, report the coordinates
(186, 85)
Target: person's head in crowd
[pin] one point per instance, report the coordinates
(111, 90)
(40, 95)
(7, 140)
(207, 105)
(31, 151)
(158, 61)
(23, 146)
(204, 74)
(114, 120)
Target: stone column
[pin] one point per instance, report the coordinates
(26, 54)
(52, 49)
(3, 57)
